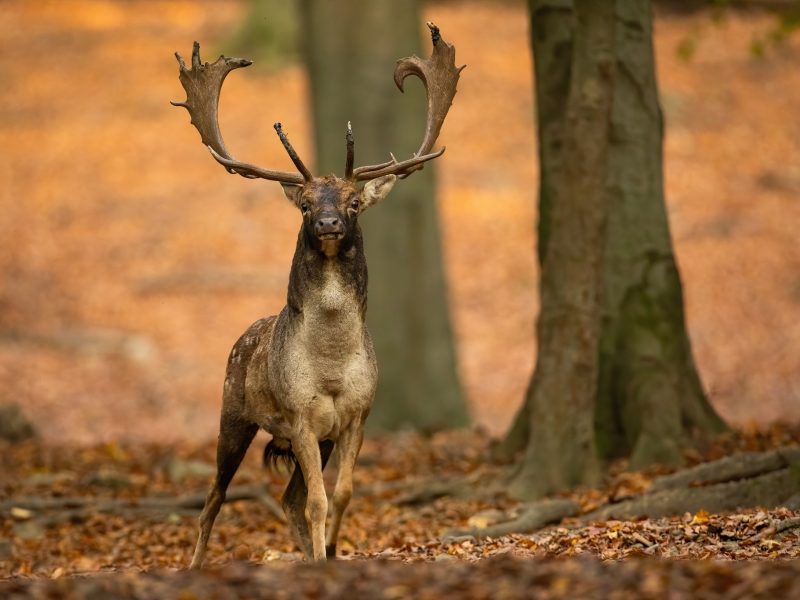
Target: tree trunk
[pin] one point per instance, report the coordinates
(267, 35)
(617, 298)
(561, 447)
(351, 49)
(651, 400)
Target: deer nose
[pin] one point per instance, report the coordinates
(325, 225)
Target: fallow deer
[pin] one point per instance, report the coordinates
(308, 375)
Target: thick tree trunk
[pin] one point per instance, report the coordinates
(650, 396)
(642, 395)
(351, 49)
(561, 446)
(551, 31)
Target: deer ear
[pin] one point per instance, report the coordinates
(376, 190)
(292, 192)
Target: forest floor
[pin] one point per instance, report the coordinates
(107, 511)
(131, 262)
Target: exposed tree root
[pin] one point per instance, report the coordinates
(776, 529)
(743, 481)
(433, 490)
(76, 508)
(730, 468)
(740, 481)
(534, 515)
(382, 488)
(771, 489)
(472, 486)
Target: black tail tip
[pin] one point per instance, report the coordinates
(277, 454)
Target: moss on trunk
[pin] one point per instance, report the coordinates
(645, 398)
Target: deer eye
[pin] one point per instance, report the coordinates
(354, 205)
(304, 208)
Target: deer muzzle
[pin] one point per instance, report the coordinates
(329, 228)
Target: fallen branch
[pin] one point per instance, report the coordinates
(71, 508)
(533, 516)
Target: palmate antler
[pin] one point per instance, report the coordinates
(439, 75)
(203, 83)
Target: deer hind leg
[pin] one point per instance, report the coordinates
(349, 447)
(235, 436)
(294, 502)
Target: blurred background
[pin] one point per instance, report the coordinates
(131, 261)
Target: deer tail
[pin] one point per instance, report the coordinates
(277, 453)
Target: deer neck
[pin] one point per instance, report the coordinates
(327, 289)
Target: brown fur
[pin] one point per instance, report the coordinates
(307, 375)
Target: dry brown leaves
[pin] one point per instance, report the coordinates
(503, 577)
(36, 543)
(133, 262)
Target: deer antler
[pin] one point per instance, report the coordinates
(348, 166)
(203, 84)
(439, 75)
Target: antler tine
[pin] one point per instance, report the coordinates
(348, 166)
(203, 83)
(440, 76)
(292, 154)
(368, 168)
(401, 169)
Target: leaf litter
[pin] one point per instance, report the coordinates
(146, 547)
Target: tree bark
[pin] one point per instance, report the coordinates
(351, 49)
(769, 490)
(635, 391)
(551, 31)
(561, 447)
(650, 400)
(727, 469)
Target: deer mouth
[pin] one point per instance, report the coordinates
(330, 236)
(330, 242)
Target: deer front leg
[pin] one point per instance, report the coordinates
(294, 501)
(349, 447)
(235, 436)
(306, 449)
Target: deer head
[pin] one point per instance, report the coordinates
(330, 205)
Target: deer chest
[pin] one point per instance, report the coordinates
(327, 351)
